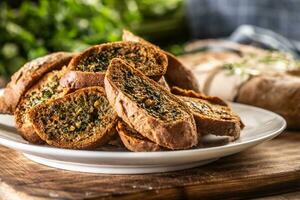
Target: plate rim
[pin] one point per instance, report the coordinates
(54, 151)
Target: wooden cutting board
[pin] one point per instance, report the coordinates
(270, 168)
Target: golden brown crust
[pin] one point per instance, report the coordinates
(177, 74)
(23, 124)
(152, 62)
(28, 133)
(191, 93)
(29, 74)
(279, 93)
(97, 135)
(4, 108)
(134, 141)
(116, 141)
(179, 133)
(79, 79)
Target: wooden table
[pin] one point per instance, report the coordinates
(268, 169)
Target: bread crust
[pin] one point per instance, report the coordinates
(217, 127)
(79, 79)
(231, 125)
(279, 93)
(177, 74)
(90, 142)
(133, 141)
(194, 94)
(178, 134)
(28, 133)
(29, 74)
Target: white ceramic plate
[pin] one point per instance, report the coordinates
(261, 125)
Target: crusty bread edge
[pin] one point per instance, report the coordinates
(79, 79)
(191, 93)
(100, 47)
(135, 144)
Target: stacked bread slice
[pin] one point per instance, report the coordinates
(89, 67)
(149, 108)
(45, 89)
(118, 92)
(27, 76)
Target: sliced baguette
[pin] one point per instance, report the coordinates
(177, 74)
(212, 115)
(89, 67)
(80, 120)
(149, 108)
(27, 76)
(45, 89)
(194, 94)
(134, 141)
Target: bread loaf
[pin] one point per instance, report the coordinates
(279, 93)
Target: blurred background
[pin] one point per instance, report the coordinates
(32, 28)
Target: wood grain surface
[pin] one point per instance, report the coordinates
(270, 168)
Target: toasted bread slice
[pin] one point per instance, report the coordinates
(90, 66)
(212, 115)
(149, 108)
(80, 120)
(27, 76)
(45, 89)
(194, 94)
(177, 74)
(134, 141)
